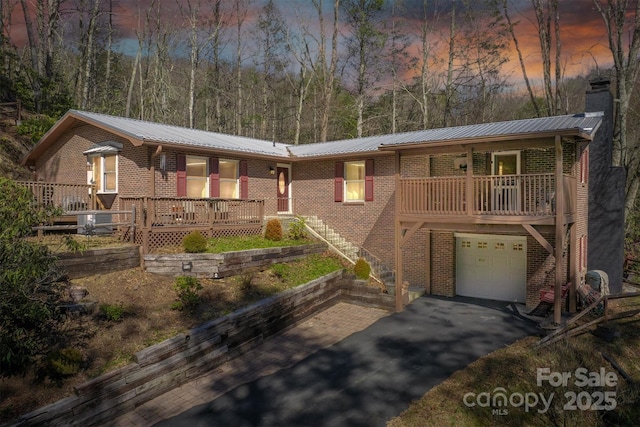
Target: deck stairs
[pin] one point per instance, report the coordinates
(348, 250)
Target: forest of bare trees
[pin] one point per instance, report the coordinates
(312, 70)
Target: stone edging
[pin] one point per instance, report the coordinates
(94, 261)
(227, 263)
(180, 359)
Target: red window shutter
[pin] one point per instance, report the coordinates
(339, 182)
(244, 180)
(368, 180)
(214, 177)
(181, 175)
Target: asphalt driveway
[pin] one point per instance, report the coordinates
(372, 375)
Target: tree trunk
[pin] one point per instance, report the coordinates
(511, 26)
(34, 53)
(87, 81)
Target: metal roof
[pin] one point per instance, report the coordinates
(578, 124)
(156, 132)
(583, 124)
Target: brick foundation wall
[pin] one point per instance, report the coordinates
(443, 263)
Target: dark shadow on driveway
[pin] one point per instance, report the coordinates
(374, 374)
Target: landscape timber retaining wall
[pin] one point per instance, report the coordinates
(97, 261)
(180, 359)
(227, 263)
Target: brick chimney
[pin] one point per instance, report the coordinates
(606, 192)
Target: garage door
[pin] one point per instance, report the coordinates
(492, 267)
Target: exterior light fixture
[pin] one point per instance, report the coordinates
(187, 266)
(272, 171)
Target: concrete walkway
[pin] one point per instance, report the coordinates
(363, 380)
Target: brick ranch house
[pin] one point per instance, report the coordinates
(480, 210)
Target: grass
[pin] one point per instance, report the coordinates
(243, 243)
(515, 369)
(307, 269)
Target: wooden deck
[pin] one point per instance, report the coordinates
(506, 199)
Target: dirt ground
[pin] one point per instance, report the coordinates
(148, 319)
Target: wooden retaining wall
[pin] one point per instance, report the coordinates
(173, 362)
(228, 263)
(98, 261)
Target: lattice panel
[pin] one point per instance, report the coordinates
(159, 239)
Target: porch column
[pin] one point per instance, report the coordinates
(398, 235)
(557, 307)
(152, 171)
(469, 198)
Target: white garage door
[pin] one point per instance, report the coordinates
(492, 267)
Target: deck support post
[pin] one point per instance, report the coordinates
(398, 236)
(469, 196)
(559, 243)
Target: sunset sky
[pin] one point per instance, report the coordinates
(583, 37)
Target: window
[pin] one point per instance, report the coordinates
(228, 179)
(105, 173)
(354, 181)
(204, 177)
(197, 177)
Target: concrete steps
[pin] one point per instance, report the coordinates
(348, 250)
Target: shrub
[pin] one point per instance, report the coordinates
(297, 229)
(242, 285)
(362, 269)
(31, 288)
(35, 127)
(63, 363)
(273, 231)
(112, 312)
(187, 289)
(194, 242)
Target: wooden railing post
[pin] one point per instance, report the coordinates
(133, 224)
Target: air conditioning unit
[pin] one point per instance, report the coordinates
(90, 224)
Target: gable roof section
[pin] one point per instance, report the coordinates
(161, 133)
(141, 132)
(582, 125)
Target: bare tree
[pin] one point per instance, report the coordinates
(241, 14)
(449, 86)
(511, 28)
(622, 22)
(88, 54)
(546, 12)
(191, 14)
(326, 73)
(364, 46)
(299, 49)
(271, 34)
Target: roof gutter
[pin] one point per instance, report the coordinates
(576, 132)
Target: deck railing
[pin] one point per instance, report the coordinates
(68, 197)
(531, 194)
(176, 211)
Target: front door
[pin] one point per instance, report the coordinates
(282, 174)
(506, 185)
